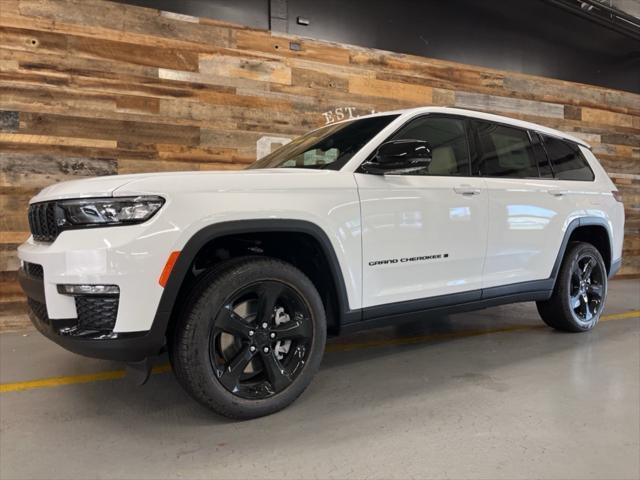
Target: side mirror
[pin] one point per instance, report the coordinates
(400, 156)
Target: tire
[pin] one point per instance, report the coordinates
(580, 291)
(250, 338)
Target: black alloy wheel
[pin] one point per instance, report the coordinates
(250, 337)
(260, 339)
(578, 298)
(586, 292)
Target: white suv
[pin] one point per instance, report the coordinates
(241, 274)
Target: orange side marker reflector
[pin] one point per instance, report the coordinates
(166, 271)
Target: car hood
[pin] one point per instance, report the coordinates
(175, 182)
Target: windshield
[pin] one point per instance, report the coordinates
(329, 147)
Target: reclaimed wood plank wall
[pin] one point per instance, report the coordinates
(91, 87)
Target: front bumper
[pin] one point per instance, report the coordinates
(130, 258)
(126, 346)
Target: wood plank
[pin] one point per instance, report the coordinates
(69, 65)
(443, 97)
(135, 53)
(314, 79)
(121, 130)
(435, 73)
(382, 88)
(492, 103)
(141, 166)
(593, 115)
(14, 237)
(110, 17)
(572, 93)
(281, 46)
(572, 112)
(263, 70)
(56, 140)
(214, 80)
(8, 257)
(18, 97)
(201, 154)
(48, 42)
(38, 171)
(622, 139)
(133, 103)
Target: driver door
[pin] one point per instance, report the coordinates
(424, 233)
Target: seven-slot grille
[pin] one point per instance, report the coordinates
(42, 221)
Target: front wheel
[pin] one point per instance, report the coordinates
(251, 338)
(580, 291)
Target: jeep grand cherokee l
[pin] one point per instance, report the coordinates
(240, 275)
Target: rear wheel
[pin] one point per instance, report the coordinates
(581, 288)
(251, 339)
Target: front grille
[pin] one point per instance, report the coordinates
(39, 310)
(97, 312)
(42, 221)
(33, 270)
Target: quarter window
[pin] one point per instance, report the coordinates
(567, 160)
(504, 152)
(448, 139)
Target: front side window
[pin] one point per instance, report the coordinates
(448, 140)
(329, 147)
(567, 160)
(504, 152)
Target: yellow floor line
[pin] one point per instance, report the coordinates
(620, 316)
(73, 379)
(336, 347)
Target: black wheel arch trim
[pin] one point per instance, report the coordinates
(576, 223)
(207, 234)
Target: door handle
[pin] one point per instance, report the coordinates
(466, 190)
(557, 192)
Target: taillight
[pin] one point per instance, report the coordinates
(617, 195)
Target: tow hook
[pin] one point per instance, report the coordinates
(139, 372)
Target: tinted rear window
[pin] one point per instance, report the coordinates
(567, 160)
(504, 152)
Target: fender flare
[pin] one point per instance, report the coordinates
(573, 225)
(207, 234)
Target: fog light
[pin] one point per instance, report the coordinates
(88, 289)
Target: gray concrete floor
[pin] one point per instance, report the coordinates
(490, 394)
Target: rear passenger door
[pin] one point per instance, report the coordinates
(527, 208)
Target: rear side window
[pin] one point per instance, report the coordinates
(567, 160)
(504, 152)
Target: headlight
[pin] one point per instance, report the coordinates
(106, 211)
